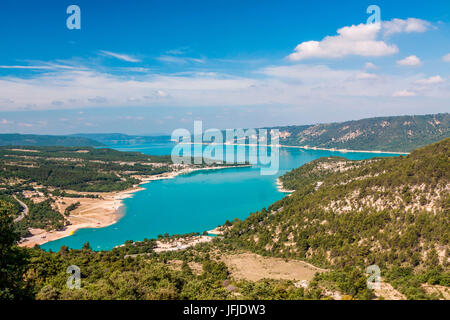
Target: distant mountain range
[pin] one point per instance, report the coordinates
(400, 133)
(15, 139)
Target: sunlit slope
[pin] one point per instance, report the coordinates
(400, 133)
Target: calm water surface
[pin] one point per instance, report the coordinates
(193, 202)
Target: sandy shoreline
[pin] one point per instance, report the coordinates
(281, 188)
(99, 212)
(92, 213)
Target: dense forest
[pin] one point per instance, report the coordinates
(75, 168)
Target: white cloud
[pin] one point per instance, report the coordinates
(446, 58)
(359, 40)
(297, 86)
(366, 75)
(123, 57)
(57, 103)
(431, 80)
(5, 122)
(25, 124)
(7, 101)
(409, 25)
(179, 60)
(178, 51)
(410, 61)
(25, 67)
(404, 93)
(135, 69)
(49, 66)
(138, 118)
(98, 100)
(354, 40)
(306, 73)
(133, 99)
(161, 93)
(369, 65)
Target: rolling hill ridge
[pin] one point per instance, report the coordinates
(399, 133)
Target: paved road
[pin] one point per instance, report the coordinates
(24, 212)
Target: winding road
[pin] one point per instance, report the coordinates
(24, 212)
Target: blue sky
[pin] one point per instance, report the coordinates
(148, 67)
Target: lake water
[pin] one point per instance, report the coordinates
(193, 202)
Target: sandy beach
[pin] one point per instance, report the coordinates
(180, 244)
(98, 212)
(281, 188)
(92, 213)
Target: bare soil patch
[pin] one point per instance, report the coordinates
(388, 292)
(254, 267)
(442, 291)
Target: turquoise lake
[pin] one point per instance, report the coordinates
(194, 202)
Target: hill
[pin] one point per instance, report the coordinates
(15, 139)
(400, 133)
(392, 212)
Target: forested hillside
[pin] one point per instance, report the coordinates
(392, 212)
(400, 133)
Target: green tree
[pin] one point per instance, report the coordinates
(13, 260)
(87, 246)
